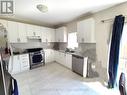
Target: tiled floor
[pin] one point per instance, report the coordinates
(52, 79)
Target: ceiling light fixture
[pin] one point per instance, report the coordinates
(43, 8)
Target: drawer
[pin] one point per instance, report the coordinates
(24, 64)
(24, 56)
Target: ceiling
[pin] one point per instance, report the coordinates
(60, 11)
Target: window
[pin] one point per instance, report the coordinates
(72, 40)
(123, 54)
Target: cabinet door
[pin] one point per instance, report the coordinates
(37, 30)
(52, 33)
(69, 61)
(30, 30)
(16, 64)
(62, 58)
(48, 34)
(43, 34)
(12, 32)
(57, 37)
(85, 31)
(52, 55)
(89, 31)
(61, 34)
(56, 53)
(22, 33)
(24, 61)
(47, 56)
(80, 32)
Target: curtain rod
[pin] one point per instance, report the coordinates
(111, 20)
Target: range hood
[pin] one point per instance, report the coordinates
(33, 37)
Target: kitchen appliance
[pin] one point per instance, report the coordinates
(79, 65)
(37, 57)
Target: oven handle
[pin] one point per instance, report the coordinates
(36, 54)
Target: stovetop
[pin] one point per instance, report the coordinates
(34, 49)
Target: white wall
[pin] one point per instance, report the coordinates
(102, 30)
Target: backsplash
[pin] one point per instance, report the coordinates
(82, 47)
(22, 46)
(86, 46)
(62, 46)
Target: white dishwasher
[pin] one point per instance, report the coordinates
(79, 65)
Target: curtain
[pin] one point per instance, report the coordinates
(114, 49)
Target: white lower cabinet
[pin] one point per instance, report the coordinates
(69, 61)
(63, 58)
(49, 55)
(24, 62)
(19, 63)
(57, 57)
(16, 65)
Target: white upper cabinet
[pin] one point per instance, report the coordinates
(22, 32)
(37, 30)
(33, 30)
(86, 31)
(30, 30)
(47, 34)
(61, 34)
(19, 32)
(52, 35)
(12, 32)
(43, 34)
(16, 32)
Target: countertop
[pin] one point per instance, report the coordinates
(91, 53)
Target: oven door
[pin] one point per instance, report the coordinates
(37, 58)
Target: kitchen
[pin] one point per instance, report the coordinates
(51, 59)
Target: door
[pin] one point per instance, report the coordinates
(22, 33)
